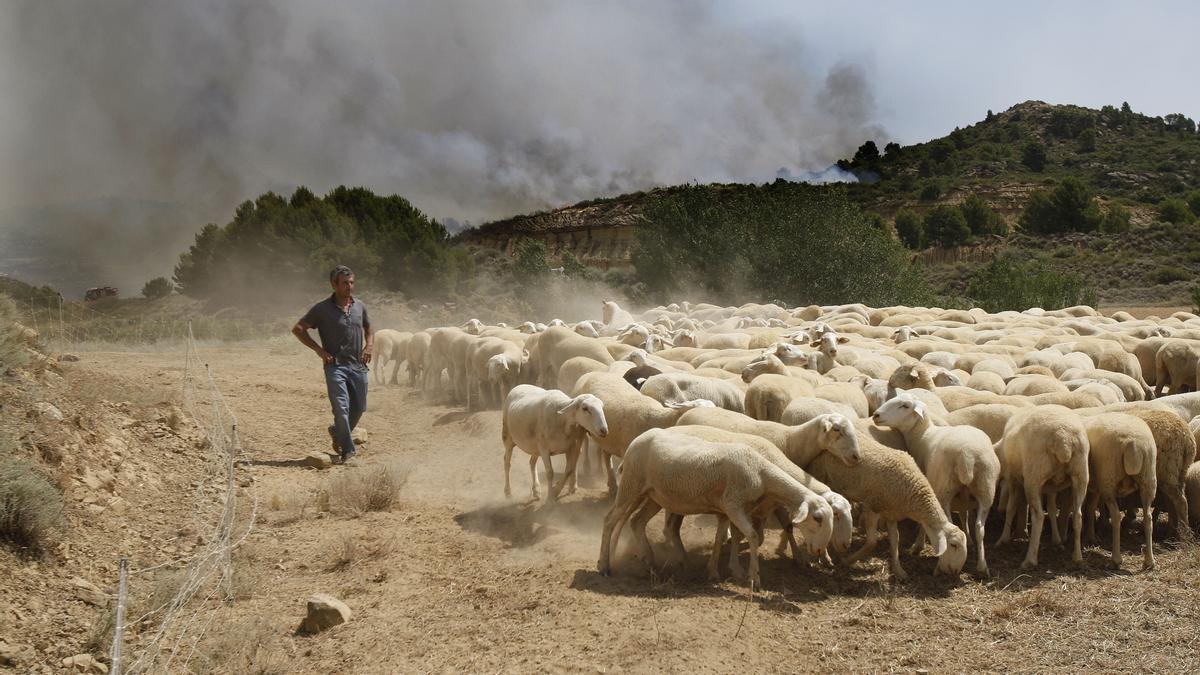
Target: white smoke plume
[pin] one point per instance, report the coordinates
(472, 109)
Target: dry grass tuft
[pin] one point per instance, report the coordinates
(247, 646)
(31, 507)
(351, 551)
(291, 507)
(375, 488)
(1032, 603)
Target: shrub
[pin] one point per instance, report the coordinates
(370, 489)
(1033, 155)
(910, 229)
(945, 226)
(981, 218)
(530, 264)
(1116, 219)
(930, 191)
(31, 507)
(1175, 211)
(1166, 275)
(12, 343)
(159, 287)
(1071, 207)
(1196, 299)
(1193, 200)
(1010, 284)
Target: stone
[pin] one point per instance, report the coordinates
(118, 507)
(16, 656)
(317, 460)
(89, 592)
(47, 411)
(84, 663)
(359, 435)
(65, 357)
(324, 612)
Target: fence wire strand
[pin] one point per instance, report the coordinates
(182, 621)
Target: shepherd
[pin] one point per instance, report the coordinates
(344, 327)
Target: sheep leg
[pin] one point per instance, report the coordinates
(1078, 492)
(1052, 512)
(638, 525)
(1148, 526)
(918, 543)
(787, 537)
(613, 522)
(871, 525)
(714, 560)
(1010, 512)
(1116, 516)
(534, 483)
(984, 506)
(545, 456)
(742, 522)
(671, 525)
(508, 448)
(395, 372)
(611, 474)
(1037, 518)
(568, 476)
(735, 550)
(1093, 503)
(1179, 511)
(894, 537)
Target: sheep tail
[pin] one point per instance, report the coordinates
(965, 469)
(1132, 458)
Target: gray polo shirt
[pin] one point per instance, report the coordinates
(342, 332)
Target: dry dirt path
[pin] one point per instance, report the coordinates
(473, 583)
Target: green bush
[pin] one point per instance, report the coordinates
(1071, 207)
(31, 507)
(530, 264)
(910, 229)
(945, 226)
(1193, 200)
(12, 343)
(930, 191)
(1008, 283)
(1166, 275)
(1196, 299)
(1175, 211)
(1116, 219)
(1033, 155)
(159, 287)
(981, 217)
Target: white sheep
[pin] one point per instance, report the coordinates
(417, 352)
(1044, 449)
(391, 346)
(958, 460)
(1121, 460)
(1192, 490)
(544, 423)
(890, 487)
(688, 475)
(800, 444)
(667, 388)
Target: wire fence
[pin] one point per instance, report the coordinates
(60, 323)
(166, 636)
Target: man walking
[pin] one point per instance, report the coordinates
(345, 350)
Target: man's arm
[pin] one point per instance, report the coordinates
(300, 330)
(370, 335)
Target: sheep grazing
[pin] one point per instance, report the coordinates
(637, 375)
(1176, 448)
(800, 444)
(1175, 366)
(1121, 460)
(1044, 449)
(915, 376)
(1191, 484)
(629, 413)
(416, 353)
(664, 469)
(544, 423)
(890, 487)
(958, 460)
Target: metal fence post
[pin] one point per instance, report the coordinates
(119, 630)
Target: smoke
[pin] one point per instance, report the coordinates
(474, 110)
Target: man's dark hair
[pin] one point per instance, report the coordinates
(340, 271)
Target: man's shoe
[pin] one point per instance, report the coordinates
(349, 459)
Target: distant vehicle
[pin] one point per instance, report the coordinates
(100, 292)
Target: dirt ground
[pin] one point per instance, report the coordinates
(462, 580)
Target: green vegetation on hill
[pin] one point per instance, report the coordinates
(297, 241)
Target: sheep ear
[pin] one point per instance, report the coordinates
(894, 334)
(939, 542)
(802, 512)
(815, 343)
(826, 424)
(919, 408)
(914, 373)
(568, 407)
(524, 354)
(843, 340)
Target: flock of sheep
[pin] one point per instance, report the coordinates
(804, 418)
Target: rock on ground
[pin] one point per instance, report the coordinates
(324, 611)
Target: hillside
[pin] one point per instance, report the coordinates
(1124, 158)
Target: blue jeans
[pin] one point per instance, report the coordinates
(347, 387)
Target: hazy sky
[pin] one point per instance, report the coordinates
(481, 109)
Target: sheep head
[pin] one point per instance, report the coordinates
(836, 436)
(587, 411)
(814, 520)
